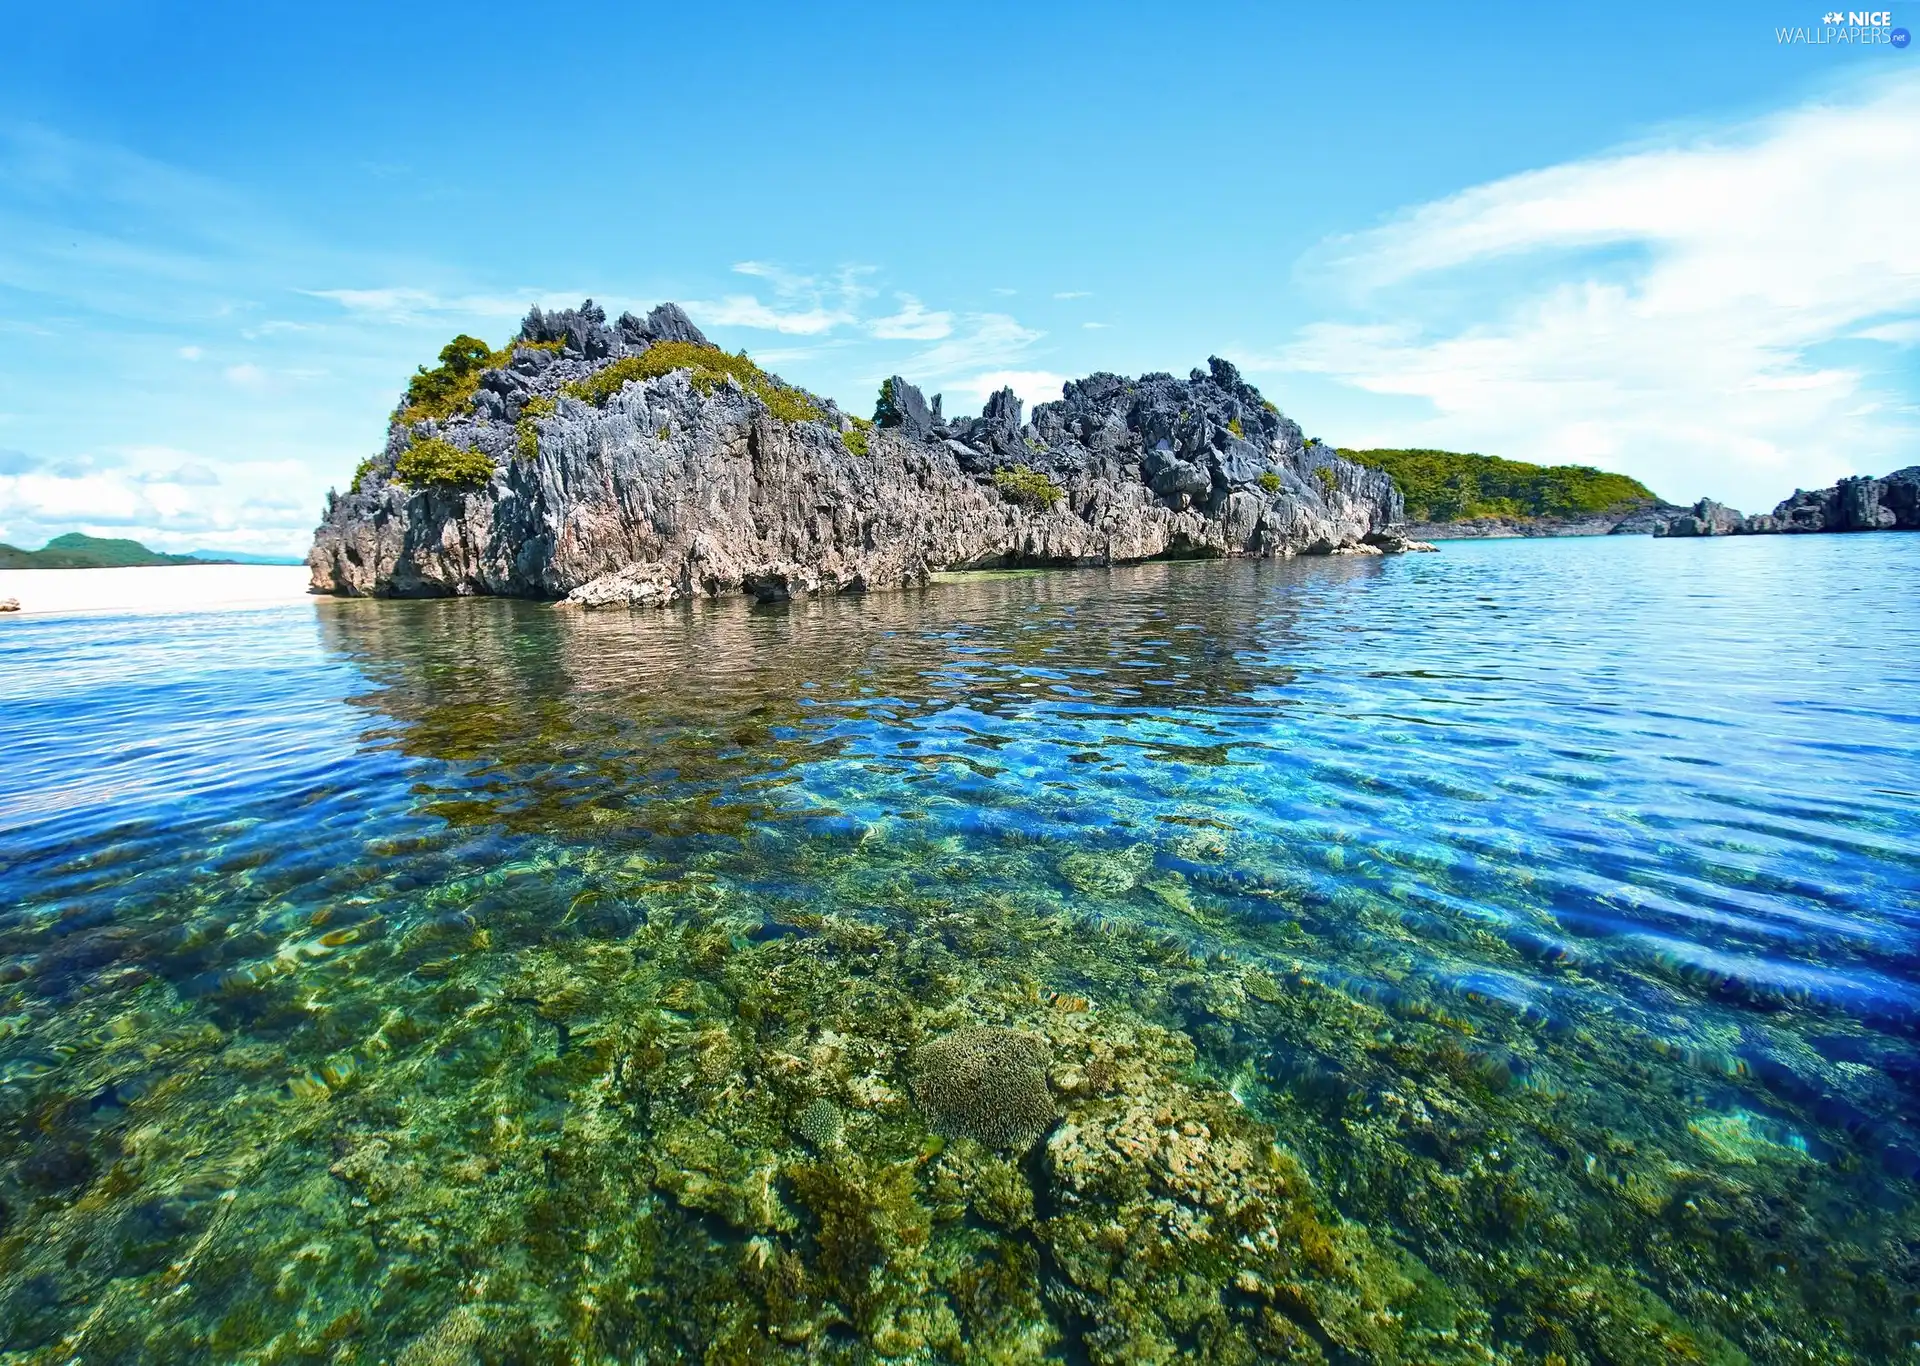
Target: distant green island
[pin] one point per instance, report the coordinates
(79, 551)
(1446, 486)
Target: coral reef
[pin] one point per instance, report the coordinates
(820, 1123)
(592, 1022)
(985, 1083)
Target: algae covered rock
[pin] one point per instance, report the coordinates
(986, 1083)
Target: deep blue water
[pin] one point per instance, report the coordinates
(1584, 801)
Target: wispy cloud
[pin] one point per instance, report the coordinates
(746, 310)
(1073, 294)
(913, 322)
(1672, 311)
(803, 305)
(1905, 333)
(407, 303)
(985, 339)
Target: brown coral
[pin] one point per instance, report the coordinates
(986, 1083)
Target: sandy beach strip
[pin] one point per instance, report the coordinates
(158, 588)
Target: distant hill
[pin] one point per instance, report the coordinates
(240, 557)
(78, 551)
(1444, 486)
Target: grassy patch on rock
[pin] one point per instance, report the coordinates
(433, 462)
(1028, 488)
(448, 388)
(708, 367)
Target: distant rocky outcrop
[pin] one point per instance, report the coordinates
(1861, 503)
(632, 463)
(1633, 519)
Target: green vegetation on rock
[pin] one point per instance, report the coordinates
(526, 432)
(1270, 481)
(709, 367)
(1029, 488)
(449, 387)
(1443, 486)
(856, 440)
(432, 462)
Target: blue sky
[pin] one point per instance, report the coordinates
(1659, 241)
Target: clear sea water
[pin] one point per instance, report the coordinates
(413, 981)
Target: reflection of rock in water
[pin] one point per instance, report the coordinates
(671, 721)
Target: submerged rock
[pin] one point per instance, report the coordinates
(633, 464)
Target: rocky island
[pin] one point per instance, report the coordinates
(1862, 503)
(635, 462)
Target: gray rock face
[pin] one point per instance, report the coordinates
(663, 491)
(1891, 503)
(1706, 518)
(904, 408)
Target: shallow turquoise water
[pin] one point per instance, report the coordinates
(1584, 877)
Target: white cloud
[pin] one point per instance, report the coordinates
(247, 376)
(988, 338)
(404, 303)
(746, 310)
(804, 305)
(1094, 327)
(191, 353)
(250, 508)
(1073, 294)
(912, 323)
(1032, 386)
(193, 474)
(1662, 312)
(1900, 334)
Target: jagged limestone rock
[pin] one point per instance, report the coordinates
(608, 492)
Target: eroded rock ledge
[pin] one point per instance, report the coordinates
(709, 481)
